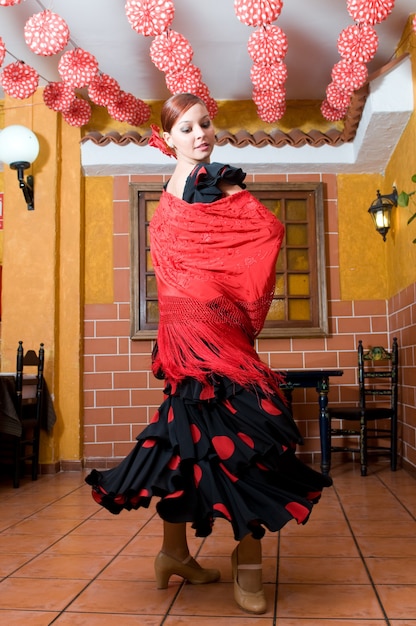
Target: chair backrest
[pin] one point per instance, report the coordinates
(32, 383)
(378, 374)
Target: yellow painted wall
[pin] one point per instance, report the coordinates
(99, 240)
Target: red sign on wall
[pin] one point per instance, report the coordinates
(1, 211)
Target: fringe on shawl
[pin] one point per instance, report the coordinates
(205, 342)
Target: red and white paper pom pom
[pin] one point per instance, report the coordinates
(269, 98)
(103, 89)
(150, 17)
(78, 114)
(2, 51)
(349, 76)
(358, 42)
(257, 12)
(331, 114)
(58, 96)
(170, 51)
(19, 80)
(267, 76)
(202, 91)
(267, 44)
(370, 11)
(272, 114)
(9, 3)
(124, 107)
(77, 67)
(337, 98)
(140, 114)
(185, 80)
(46, 33)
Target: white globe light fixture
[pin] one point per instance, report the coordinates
(19, 147)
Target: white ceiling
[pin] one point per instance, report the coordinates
(218, 39)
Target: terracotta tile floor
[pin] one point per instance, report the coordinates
(65, 561)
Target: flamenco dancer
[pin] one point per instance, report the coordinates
(222, 443)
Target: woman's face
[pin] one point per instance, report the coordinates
(192, 135)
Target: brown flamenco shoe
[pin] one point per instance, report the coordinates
(249, 601)
(189, 569)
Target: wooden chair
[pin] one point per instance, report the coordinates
(29, 388)
(377, 407)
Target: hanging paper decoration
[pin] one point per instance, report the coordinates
(267, 76)
(46, 33)
(202, 92)
(257, 12)
(370, 11)
(332, 114)
(170, 51)
(9, 3)
(349, 76)
(58, 96)
(103, 89)
(19, 80)
(267, 44)
(78, 114)
(185, 80)
(127, 108)
(150, 17)
(358, 42)
(2, 51)
(264, 98)
(77, 67)
(337, 97)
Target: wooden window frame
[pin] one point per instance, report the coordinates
(317, 327)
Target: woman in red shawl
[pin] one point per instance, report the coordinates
(222, 444)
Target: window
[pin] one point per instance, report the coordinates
(299, 306)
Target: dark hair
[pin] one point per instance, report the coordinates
(176, 106)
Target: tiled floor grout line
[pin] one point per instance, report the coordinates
(362, 557)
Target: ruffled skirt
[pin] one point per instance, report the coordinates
(228, 453)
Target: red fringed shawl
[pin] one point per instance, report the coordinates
(215, 270)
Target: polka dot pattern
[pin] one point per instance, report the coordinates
(268, 76)
(46, 33)
(2, 50)
(150, 17)
(358, 42)
(127, 108)
(186, 80)
(336, 97)
(78, 114)
(103, 89)
(171, 51)
(349, 76)
(332, 114)
(19, 80)
(9, 3)
(58, 96)
(77, 67)
(267, 44)
(370, 11)
(257, 12)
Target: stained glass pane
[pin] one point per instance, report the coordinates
(151, 288)
(298, 284)
(150, 209)
(297, 259)
(280, 285)
(299, 310)
(296, 235)
(277, 310)
(149, 264)
(296, 210)
(152, 312)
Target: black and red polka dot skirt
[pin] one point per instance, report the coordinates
(229, 455)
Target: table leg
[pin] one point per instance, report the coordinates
(323, 389)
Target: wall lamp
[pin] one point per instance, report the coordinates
(19, 147)
(380, 211)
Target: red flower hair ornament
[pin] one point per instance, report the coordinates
(158, 142)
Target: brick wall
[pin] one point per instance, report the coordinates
(121, 394)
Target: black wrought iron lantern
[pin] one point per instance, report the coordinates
(380, 211)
